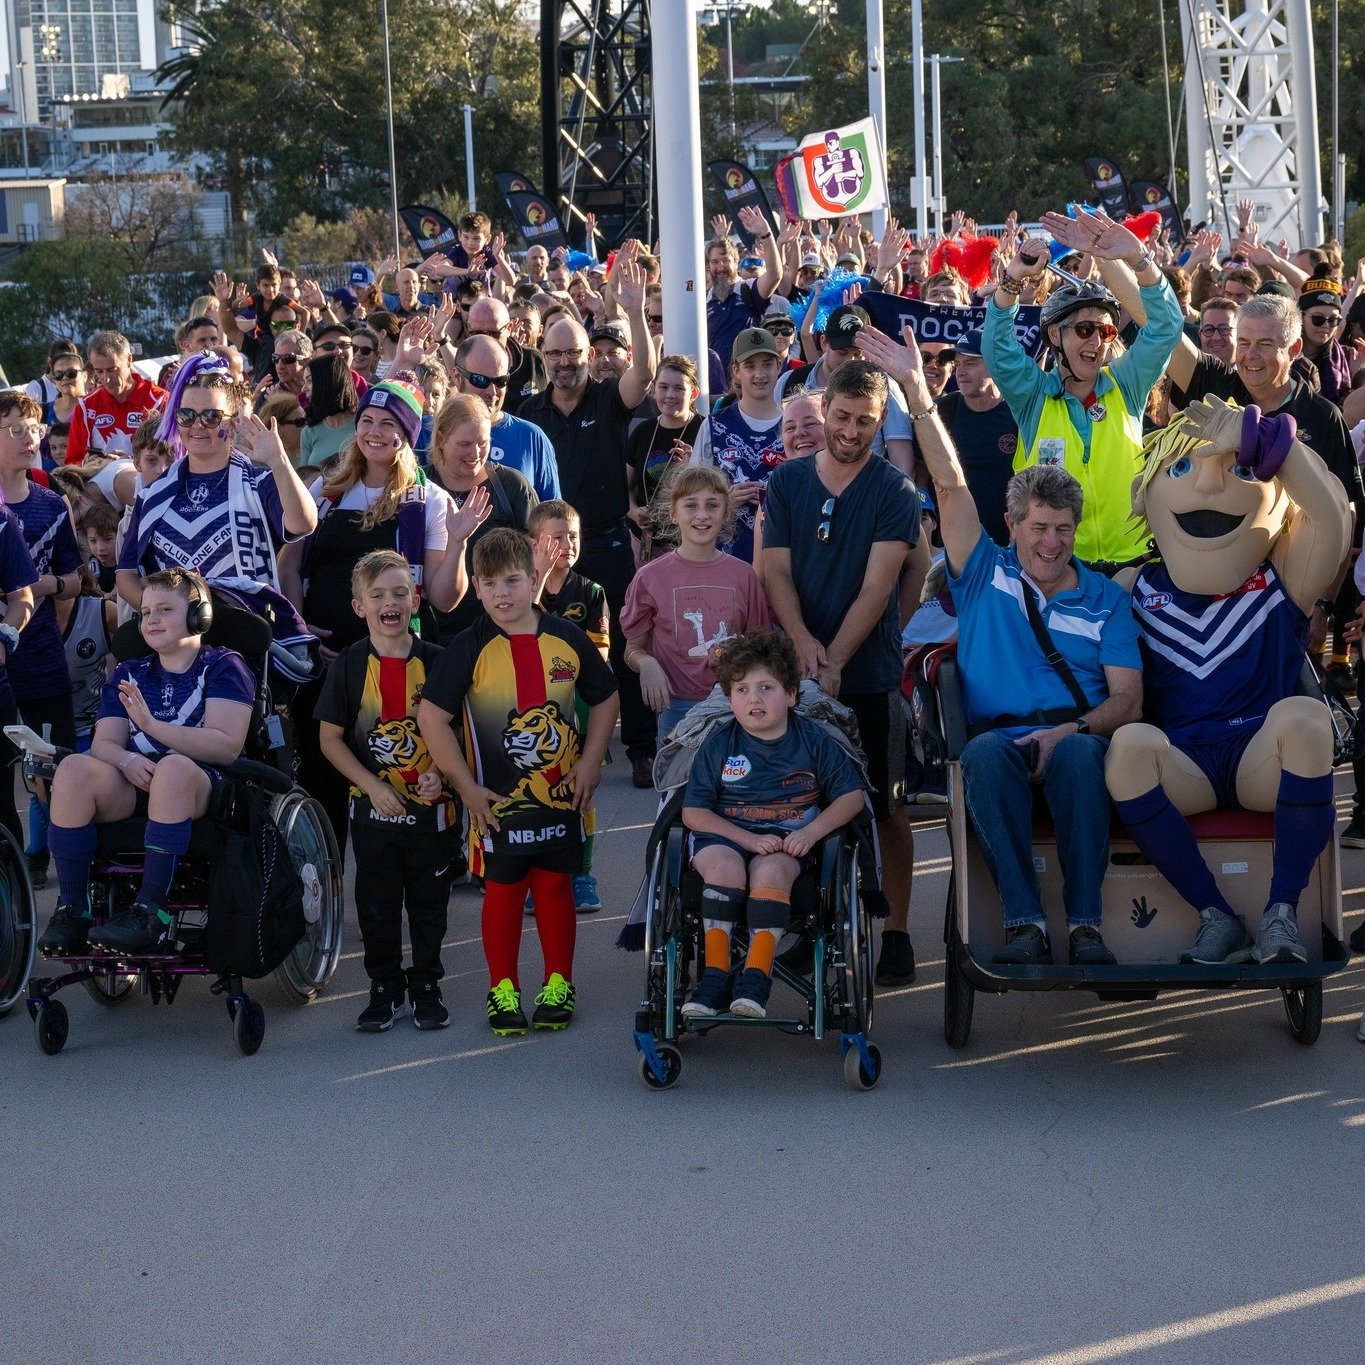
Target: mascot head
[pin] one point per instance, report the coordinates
(1208, 494)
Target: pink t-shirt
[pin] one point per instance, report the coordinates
(688, 609)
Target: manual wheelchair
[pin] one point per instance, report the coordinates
(111, 976)
(829, 970)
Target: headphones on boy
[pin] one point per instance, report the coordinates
(199, 612)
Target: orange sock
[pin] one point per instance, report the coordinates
(718, 949)
(762, 950)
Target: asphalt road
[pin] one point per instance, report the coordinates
(1175, 1181)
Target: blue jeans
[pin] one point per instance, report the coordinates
(671, 715)
(1000, 803)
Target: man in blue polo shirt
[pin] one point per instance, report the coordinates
(1031, 721)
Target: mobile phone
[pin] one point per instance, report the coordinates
(1031, 752)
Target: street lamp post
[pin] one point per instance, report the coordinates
(920, 197)
(388, 111)
(468, 110)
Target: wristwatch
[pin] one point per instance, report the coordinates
(1082, 725)
(10, 635)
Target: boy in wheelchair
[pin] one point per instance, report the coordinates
(763, 792)
(167, 725)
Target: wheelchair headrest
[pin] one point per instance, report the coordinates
(232, 628)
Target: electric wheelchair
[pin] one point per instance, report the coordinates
(828, 968)
(1145, 923)
(265, 776)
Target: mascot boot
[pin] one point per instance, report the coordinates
(1250, 529)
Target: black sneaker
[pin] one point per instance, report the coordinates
(37, 870)
(428, 1009)
(1357, 940)
(642, 772)
(141, 928)
(386, 1005)
(1025, 946)
(1088, 948)
(896, 963)
(1353, 836)
(66, 930)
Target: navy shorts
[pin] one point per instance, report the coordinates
(1219, 762)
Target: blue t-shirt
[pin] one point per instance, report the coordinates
(16, 571)
(1004, 671)
(196, 530)
(523, 446)
(38, 668)
(879, 505)
(770, 785)
(726, 318)
(177, 698)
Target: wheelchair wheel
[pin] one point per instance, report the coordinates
(667, 955)
(51, 1026)
(110, 988)
(672, 1060)
(308, 835)
(18, 924)
(1303, 1008)
(855, 942)
(856, 1075)
(248, 1028)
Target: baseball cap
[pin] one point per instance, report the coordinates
(848, 258)
(969, 343)
(346, 298)
(361, 275)
(777, 307)
(610, 331)
(843, 325)
(753, 341)
(811, 261)
(926, 502)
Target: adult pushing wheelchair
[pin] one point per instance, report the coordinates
(828, 967)
(257, 893)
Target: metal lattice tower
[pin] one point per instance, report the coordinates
(1251, 115)
(597, 146)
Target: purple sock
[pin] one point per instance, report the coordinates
(1165, 837)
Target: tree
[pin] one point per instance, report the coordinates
(149, 218)
(306, 241)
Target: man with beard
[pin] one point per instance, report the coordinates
(837, 529)
(731, 306)
(587, 421)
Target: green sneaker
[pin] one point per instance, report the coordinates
(554, 1004)
(504, 1010)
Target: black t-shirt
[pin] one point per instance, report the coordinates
(527, 376)
(590, 450)
(986, 443)
(1320, 423)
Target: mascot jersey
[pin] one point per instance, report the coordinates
(374, 701)
(517, 694)
(1213, 666)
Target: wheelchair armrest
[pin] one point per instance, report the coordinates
(952, 709)
(31, 744)
(260, 775)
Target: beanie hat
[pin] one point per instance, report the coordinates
(1321, 289)
(400, 400)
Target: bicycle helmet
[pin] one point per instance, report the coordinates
(1071, 298)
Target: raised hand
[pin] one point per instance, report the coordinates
(221, 286)
(720, 225)
(1096, 233)
(263, 441)
(901, 363)
(464, 520)
(753, 220)
(630, 286)
(268, 258)
(1246, 214)
(414, 340)
(387, 266)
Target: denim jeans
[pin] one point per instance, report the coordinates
(671, 715)
(1000, 803)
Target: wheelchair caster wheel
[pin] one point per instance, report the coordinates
(856, 1075)
(110, 988)
(672, 1060)
(248, 1028)
(51, 1026)
(1303, 1009)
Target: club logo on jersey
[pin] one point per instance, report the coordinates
(561, 670)
(576, 612)
(542, 743)
(737, 768)
(397, 748)
(1155, 601)
(199, 495)
(167, 697)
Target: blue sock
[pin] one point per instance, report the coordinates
(1165, 837)
(1304, 820)
(167, 843)
(72, 851)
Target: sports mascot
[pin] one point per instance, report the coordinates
(1251, 528)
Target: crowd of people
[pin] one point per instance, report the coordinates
(481, 504)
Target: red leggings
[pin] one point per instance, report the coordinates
(503, 910)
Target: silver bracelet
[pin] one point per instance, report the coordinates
(920, 416)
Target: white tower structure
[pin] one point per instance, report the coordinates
(1251, 115)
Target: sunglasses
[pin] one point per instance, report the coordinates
(328, 347)
(1317, 319)
(655, 317)
(187, 417)
(487, 381)
(291, 421)
(67, 374)
(288, 360)
(781, 331)
(944, 357)
(824, 530)
(282, 326)
(1085, 330)
(363, 350)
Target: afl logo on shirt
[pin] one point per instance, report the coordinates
(736, 768)
(1155, 601)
